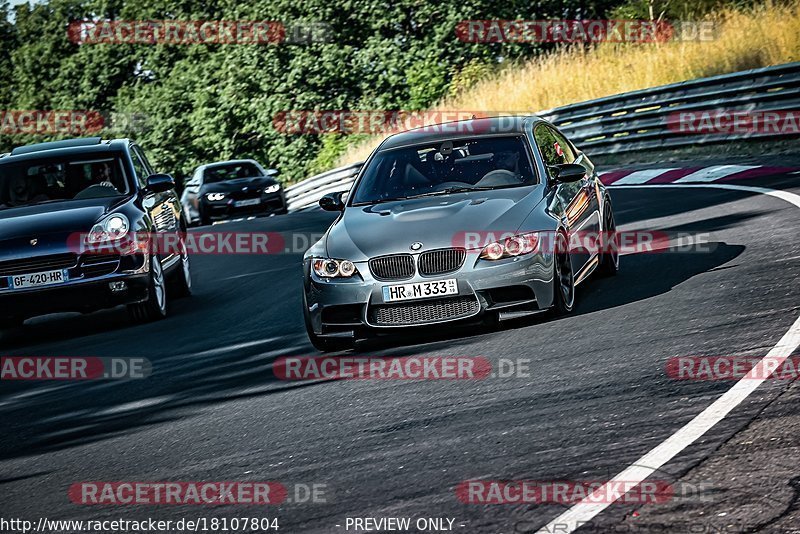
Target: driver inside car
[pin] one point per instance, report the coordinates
(100, 184)
(102, 175)
(506, 170)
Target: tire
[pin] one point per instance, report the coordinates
(182, 285)
(563, 278)
(609, 257)
(155, 307)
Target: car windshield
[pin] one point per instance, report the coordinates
(445, 167)
(58, 180)
(231, 171)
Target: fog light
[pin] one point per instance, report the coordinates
(116, 287)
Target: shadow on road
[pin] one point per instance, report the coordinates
(238, 317)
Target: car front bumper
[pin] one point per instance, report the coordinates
(337, 307)
(80, 294)
(272, 203)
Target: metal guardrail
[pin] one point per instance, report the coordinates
(310, 190)
(634, 121)
(638, 120)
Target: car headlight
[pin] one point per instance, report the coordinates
(215, 197)
(112, 228)
(330, 268)
(272, 189)
(517, 245)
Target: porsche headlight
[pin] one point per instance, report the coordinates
(272, 189)
(517, 245)
(330, 268)
(215, 197)
(112, 228)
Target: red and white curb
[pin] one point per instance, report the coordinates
(674, 175)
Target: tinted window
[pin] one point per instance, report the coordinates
(52, 180)
(233, 171)
(439, 168)
(554, 147)
(139, 168)
(143, 156)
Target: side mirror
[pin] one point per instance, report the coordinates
(332, 202)
(568, 172)
(273, 172)
(159, 183)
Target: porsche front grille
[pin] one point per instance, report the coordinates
(397, 267)
(34, 265)
(430, 311)
(94, 265)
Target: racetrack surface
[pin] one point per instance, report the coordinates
(597, 397)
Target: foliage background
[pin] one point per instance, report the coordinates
(209, 102)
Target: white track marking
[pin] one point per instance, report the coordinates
(711, 174)
(640, 177)
(586, 510)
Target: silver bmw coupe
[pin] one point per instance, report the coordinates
(465, 221)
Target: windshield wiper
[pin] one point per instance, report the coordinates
(450, 190)
(447, 191)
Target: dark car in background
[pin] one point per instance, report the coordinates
(232, 188)
(64, 208)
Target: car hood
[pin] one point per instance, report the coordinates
(364, 232)
(53, 220)
(237, 185)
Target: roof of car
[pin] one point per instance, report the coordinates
(515, 124)
(81, 145)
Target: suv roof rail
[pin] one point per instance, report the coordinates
(52, 145)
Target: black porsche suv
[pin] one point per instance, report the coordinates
(64, 208)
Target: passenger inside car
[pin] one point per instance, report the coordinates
(21, 192)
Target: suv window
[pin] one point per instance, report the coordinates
(143, 156)
(77, 177)
(139, 167)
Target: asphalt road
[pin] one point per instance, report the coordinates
(597, 397)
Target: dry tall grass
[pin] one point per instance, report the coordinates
(766, 35)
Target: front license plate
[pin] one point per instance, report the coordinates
(420, 290)
(47, 278)
(243, 203)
